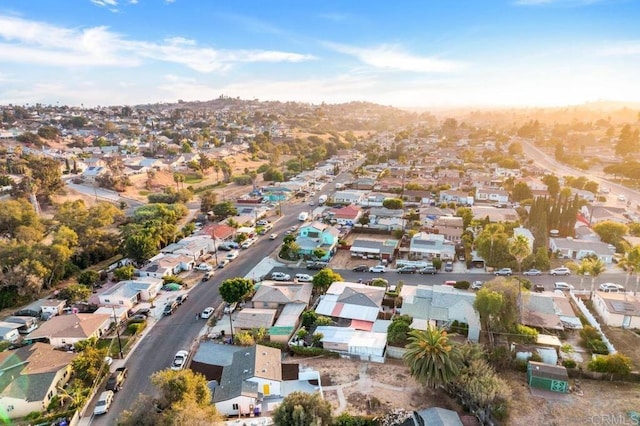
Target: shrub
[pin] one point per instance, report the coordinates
(589, 333)
(569, 363)
(535, 357)
(322, 320)
(597, 346)
(309, 318)
(520, 365)
(567, 348)
(462, 285)
(172, 279)
(306, 351)
(612, 364)
(136, 328)
(459, 328)
(346, 419)
(526, 334)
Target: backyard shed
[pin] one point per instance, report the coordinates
(547, 377)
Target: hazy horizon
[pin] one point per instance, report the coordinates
(422, 55)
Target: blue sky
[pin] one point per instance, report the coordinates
(429, 53)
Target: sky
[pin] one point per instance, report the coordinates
(412, 54)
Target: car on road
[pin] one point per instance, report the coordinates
(450, 282)
(560, 285)
(204, 267)
(316, 266)
(563, 270)
(247, 243)
(621, 197)
(280, 276)
(182, 298)
(170, 307)
(304, 278)
(273, 236)
(407, 269)
(262, 222)
(448, 267)
(477, 285)
(117, 378)
(532, 272)
(179, 360)
(378, 269)
(104, 402)
(360, 268)
(222, 263)
(538, 288)
(294, 228)
(207, 276)
(231, 255)
(503, 272)
(611, 288)
(207, 312)
(428, 270)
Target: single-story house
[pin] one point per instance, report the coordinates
(570, 248)
(348, 197)
(431, 246)
(458, 197)
(492, 195)
(69, 329)
(252, 318)
(442, 304)
(43, 308)
(549, 311)
(374, 249)
(618, 309)
(195, 247)
(358, 302)
(495, 214)
(368, 345)
(317, 235)
(166, 264)
(219, 231)
(451, 227)
(128, 293)
(347, 215)
(274, 294)
(31, 377)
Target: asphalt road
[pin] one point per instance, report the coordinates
(178, 331)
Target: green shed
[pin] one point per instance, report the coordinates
(552, 378)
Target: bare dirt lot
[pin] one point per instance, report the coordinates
(366, 384)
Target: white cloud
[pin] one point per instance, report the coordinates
(391, 57)
(111, 4)
(133, 1)
(41, 43)
(622, 48)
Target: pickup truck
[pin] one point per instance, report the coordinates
(117, 379)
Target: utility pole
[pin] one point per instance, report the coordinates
(115, 320)
(215, 249)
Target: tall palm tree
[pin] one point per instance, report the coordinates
(595, 268)
(583, 269)
(519, 248)
(433, 360)
(631, 262)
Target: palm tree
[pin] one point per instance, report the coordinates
(433, 361)
(519, 248)
(631, 262)
(583, 269)
(595, 268)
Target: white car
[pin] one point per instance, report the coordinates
(378, 269)
(180, 360)
(273, 236)
(304, 278)
(207, 313)
(611, 288)
(280, 276)
(204, 267)
(247, 243)
(560, 285)
(231, 255)
(104, 402)
(477, 285)
(560, 271)
(622, 198)
(230, 308)
(222, 263)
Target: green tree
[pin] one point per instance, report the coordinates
(140, 247)
(611, 232)
(432, 360)
(208, 199)
(393, 203)
(542, 261)
(595, 267)
(88, 278)
(224, 210)
(48, 132)
(631, 262)
(493, 245)
(319, 253)
(234, 290)
(303, 409)
(323, 280)
(466, 214)
(521, 191)
(553, 184)
(398, 330)
(520, 250)
(124, 272)
(89, 364)
(73, 293)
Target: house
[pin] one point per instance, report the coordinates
(345, 216)
(317, 235)
(451, 227)
(374, 249)
(163, 265)
(43, 308)
(458, 197)
(254, 318)
(9, 331)
(364, 183)
(495, 214)
(348, 197)
(387, 219)
(492, 195)
(552, 378)
(219, 232)
(373, 200)
(194, 247)
(25, 324)
(91, 174)
(31, 377)
(128, 293)
(596, 214)
(359, 303)
(618, 309)
(367, 345)
(549, 311)
(275, 294)
(431, 246)
(69, 329)
(570, 248)
(442, 304)
(252, 379)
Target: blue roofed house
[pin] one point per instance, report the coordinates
(317, 235)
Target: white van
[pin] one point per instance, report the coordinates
(303, 216)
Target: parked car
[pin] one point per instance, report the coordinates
(273, 236)
(104, 402)
(538, 288)
(207, 276)
(448, 267)
(503, 272)
(231, 255)
(450, 282)
(182, 298)
(532, 272)
(476, 285)
(611, 288)
(179, 360)
(280, 276)
(560, 271)
(138, 318)
(117, 378)
(378, 269)
(207, 313)
(304, 278)
(407, 269)
(428, 270)
(247, 243)
(560, 285)
(262, 222)
(143, 311)
(170, 307)
(230, 308)
(316, 266)
(204, 267)
(360, 268)
(222, 263)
